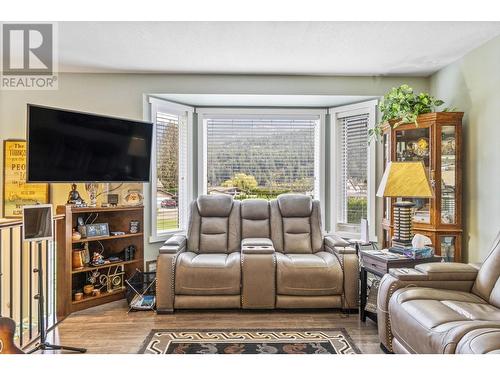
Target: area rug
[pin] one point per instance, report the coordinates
(272, 341)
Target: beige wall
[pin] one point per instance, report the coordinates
(472, 84)
(123, 95)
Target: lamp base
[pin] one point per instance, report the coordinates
(396, 242)
(402, 213)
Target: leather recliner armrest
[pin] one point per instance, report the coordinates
(477, 265)
(174, 244)
(349, 262)
(436, 272)
(165, 273)
(334, 240)
(344, 250)
(338, 245)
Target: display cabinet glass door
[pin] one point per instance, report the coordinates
(448, 245)
(414, 145)
(387, 158)
(448, 175)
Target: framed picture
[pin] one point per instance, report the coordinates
(151, 266)
(16, 192)
(97, 230)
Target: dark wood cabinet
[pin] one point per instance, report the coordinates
(437, 142)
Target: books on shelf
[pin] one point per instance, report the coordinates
(394, 253)
(384, 253)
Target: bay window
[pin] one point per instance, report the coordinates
(261, 153)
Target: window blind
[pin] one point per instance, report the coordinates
(353, 168)
(279, 155)
(171, 165)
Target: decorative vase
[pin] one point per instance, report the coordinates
(77, 259)
(92, 188)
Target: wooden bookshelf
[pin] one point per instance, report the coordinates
(71, 280)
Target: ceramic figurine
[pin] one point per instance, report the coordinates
(97, 259)
(134, 197)
(74, 196)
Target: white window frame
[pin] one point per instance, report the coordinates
(161, 105)
(268, 113)
(370, 108)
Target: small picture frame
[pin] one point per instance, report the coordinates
(113, 199)
(97, 230)
(151, 266)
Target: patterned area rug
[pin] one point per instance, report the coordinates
(275, 341)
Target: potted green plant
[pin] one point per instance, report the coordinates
(404, 106)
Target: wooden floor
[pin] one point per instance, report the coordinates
(109, 329)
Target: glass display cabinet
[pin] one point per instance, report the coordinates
(436, 141)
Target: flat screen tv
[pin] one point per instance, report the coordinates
(70, 146)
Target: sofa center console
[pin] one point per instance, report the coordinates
(258, 258)
(257, 246)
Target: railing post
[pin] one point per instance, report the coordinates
(30, 307)
(11, 272)
(21, 288)
(54, 275)
(47, 295)
(1, 273)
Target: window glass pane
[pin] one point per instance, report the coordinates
(167, 172)
(261, 157)
(448, 248)
(353, 168)
(448, 177)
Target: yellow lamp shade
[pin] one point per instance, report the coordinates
(405, 179)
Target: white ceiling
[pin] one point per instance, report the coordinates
(306, 48)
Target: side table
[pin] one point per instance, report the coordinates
(359, 243)
(378, 263)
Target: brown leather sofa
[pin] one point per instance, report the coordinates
(442, 307)
(256, 254)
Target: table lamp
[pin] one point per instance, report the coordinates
(405, 180)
